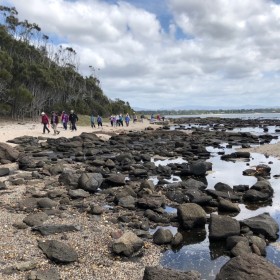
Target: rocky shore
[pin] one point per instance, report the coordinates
(82, 207)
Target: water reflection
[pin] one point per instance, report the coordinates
(197, 252)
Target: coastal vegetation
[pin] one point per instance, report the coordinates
(36, 76)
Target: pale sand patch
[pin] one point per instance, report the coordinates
(267, 149)
(11, 130)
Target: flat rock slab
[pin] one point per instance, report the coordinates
(49, 274)
(54, 229)
(4, 171)
(158, 273)
(58, 252)
(35, 219)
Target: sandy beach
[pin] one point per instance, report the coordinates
(10, 130)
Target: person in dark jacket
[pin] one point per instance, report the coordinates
(73, 118)
(99, 121)
(45, 122)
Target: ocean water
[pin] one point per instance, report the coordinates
(239, 116)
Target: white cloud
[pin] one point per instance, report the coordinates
(229, 53)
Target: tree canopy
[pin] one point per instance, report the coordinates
(36, 77)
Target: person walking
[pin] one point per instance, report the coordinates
(45, 122)
(92, 124)
(54, 123)
(73, 118)
(120, 120)
(99, 121)
(134, 117)
(65, 119)
(127, 119)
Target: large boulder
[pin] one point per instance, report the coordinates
(248, 267)
(162, 236)
(8, 153)
(194, 184)
(90, 181)
(58, 251)
(228, 206)
(198, 168)
(221, 227)
(69, 178)
(35, 219)
(263, 224)
(152, 201)
(191, 215)
(260, 191)
(114, 180)
(128, 244)
(158, 273)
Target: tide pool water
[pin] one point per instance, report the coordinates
(197, 252)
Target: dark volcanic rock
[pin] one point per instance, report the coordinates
(47, 203)
(221, 227)
(114, 180)
(49, 274)
(4, 171)
(226, 195)
(128, 244)
(152, 201)
(8, 153)
(198, 168)
(58, 251)
(222, 187)
(260, 191)
(248, 267)
(241, 248)
(162, 236)
(35, 219)
(263, 224)
(78, 193)
(158, 273)
(228, 206)
(191, 215)
(53, 229)
(69, 179)
(90, 181)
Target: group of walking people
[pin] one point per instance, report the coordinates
(98, 119)
(72, 119)
(117, 120)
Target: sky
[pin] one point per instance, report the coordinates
(170, 54)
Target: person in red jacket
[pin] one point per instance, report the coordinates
(45, 122)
